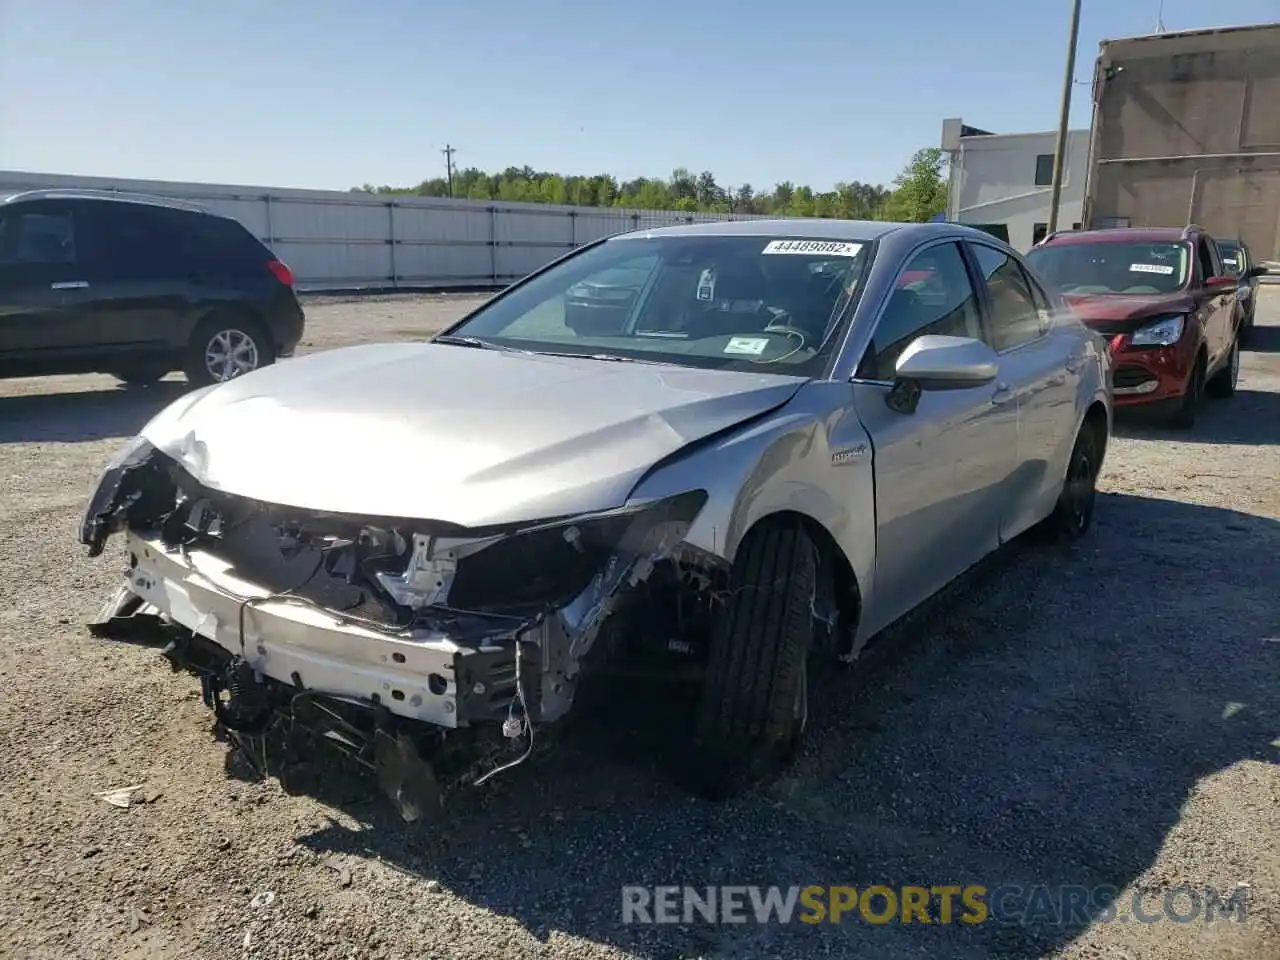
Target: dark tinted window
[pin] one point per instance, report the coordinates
(933, 295)
(131, 240)
(1016, 317)
(1204, 255)
(221, 240)
(1044, 170)
(45, 237)
(757, 303)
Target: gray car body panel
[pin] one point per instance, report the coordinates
(481, 437)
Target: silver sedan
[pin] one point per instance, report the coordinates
(741, 448)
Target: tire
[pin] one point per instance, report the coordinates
(755, 695)
(1073, 513)
(1222, 385)
(1246, 331)
(221, 333)
(1184, 414)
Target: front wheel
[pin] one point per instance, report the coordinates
(1185, 413)
(1223, 384)
(224, 347)
(754, 700)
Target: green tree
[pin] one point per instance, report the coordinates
(919, 192)
(920, 189)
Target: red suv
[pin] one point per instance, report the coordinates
(1163, 299)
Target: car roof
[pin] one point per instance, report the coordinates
(1119, 235)
(103, 196)
(809, 228)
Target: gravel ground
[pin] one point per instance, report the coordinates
(1106, 714)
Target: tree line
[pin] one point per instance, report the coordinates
(918, 192)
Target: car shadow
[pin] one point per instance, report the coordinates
(83, 415)
(1250, 418)
(1265, 339)
(1008, 733)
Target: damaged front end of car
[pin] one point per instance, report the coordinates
(430, 652)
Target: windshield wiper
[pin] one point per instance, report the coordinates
(454, 340)
(607, 357)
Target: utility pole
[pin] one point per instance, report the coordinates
(448, 152)
(1060, 148)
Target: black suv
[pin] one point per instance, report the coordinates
(136, 287)
(1238, 260)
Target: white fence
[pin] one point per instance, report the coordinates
(334, 240)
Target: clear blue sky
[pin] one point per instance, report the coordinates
(331, 94)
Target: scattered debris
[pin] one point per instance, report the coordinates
(149, 794)
(121, 797)
(137, 917)
(343, 871)
(264, 899)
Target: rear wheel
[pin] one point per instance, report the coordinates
(1073, 513)
(754, 701)
(1223, 383)
(226, 346)
(1184, 414)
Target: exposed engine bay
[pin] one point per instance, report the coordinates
(429, 652)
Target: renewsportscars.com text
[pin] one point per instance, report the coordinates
(941, 904)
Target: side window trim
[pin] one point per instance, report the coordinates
(988, 309)
(956, 241)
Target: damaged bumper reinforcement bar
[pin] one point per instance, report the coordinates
(431, 633)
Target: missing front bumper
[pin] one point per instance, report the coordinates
(459, 673)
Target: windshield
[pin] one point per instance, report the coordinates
(1230, 257)
(1112, 267)
(717, 302)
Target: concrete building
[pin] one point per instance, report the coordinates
(1187, 130)
(1006, 178)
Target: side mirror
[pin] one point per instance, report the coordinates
(947, 363)
(1258, 271)
(936, 362)
(1221, 283)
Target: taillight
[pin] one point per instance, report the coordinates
(282, 272)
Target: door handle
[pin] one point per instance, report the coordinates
(70, 285)
(1003, 394)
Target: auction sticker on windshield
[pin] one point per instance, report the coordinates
(751, 346)
(830, 248)
(1151, 268)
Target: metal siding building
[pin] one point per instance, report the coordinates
(335, 240)
(1186, 129)
(1007, 179)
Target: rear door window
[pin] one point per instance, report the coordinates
(1019, 312)
(129, 241)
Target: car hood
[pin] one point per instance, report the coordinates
(1123, 313)
(467, 436)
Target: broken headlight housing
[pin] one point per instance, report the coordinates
(551, 563)
(118, 488)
